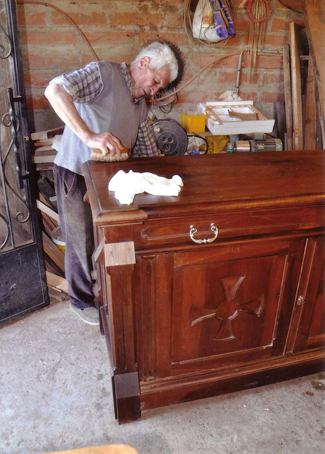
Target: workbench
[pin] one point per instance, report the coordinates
(218, 289)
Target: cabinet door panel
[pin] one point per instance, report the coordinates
(307, 327)
(228, 303)
(316, 335)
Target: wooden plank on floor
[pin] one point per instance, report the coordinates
(57, 282)
(48, 225)
(52, 267)
(44, 159)
(47, 210)
(45, 150)
(298, 136)
(44, 167)
(43, 143)
(52, 251)
(44, 135)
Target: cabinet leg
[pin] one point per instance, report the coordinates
(126, 393)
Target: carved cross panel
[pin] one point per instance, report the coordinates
(228, 309)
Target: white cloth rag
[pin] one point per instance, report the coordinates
(127, 185)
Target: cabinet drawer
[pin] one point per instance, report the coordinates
(232, 225)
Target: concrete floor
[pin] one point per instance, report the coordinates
(56, 395)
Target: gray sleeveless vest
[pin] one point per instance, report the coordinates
(113, 110)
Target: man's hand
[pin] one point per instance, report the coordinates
(105, 142)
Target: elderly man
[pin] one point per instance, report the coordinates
(103, 106)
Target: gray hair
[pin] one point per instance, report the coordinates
(160, 55)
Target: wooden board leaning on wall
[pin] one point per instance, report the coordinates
(314, 14)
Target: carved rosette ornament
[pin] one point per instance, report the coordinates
(228, 309)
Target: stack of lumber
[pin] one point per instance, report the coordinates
(53, 256)
(43, 157)
(43, 151)
(304, 81)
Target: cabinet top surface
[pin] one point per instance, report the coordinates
(213, 182)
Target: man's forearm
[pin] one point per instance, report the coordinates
(64, 107)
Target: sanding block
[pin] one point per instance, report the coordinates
(97, 155)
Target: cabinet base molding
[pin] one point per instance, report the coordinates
(160, 393)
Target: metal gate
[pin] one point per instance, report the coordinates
(22, 272)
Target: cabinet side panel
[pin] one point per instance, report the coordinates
(121, 279)
(154, 274)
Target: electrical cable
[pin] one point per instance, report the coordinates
(221, 57)
(72, 22)
(167, 108)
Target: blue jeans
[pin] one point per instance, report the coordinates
(77, 230)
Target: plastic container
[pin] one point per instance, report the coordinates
(216, 143)
(193, 123)
(58, 239)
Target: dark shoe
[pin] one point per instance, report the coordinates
(88, 315)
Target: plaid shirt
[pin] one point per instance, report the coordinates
(85, 84)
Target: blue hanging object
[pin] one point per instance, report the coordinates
(219, 11)
(219, 24)
(231, 27)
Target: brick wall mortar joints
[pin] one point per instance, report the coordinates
(142, 33)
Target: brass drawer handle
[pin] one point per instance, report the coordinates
(193, 231)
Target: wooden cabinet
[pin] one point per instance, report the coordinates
(218, 289)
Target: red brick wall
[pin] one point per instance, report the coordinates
(117, 29)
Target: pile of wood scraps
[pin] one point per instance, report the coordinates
(43, 150)
(53, 249)
(43, 157)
